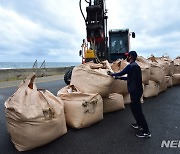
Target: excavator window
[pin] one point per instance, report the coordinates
(118, 43)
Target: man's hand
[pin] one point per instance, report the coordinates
(110, 73)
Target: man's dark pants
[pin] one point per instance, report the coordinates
(137, 110)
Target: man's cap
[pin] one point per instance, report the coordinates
(133, 54)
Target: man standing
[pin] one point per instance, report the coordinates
(134, 84)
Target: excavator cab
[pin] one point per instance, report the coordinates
(119, 43)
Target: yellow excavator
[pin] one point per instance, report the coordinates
(99, 44)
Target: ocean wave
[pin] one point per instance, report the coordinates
(5, 68)
(20, 65)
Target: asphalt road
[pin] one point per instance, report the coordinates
(112, 135)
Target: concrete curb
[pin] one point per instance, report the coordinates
(19, 74)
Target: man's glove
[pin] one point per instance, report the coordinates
(110, 73)
(118, 77)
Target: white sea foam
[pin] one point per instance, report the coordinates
(19, 65)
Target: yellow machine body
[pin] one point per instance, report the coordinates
(89, 54)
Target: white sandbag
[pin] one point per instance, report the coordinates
(119, 65)
(81, 109)
(177, 65)
(169, 83)
(145, 75)
(127, 98)
(176, 69)
(34, 117)
(103, 65)
(143, 60)
(156, 72)
(145, 69)
(106, 65)
(176, 79)
(116, 65)
(114, 102)
(164, 84)
(150, 90)
(119, 86)
(93, 81)
(96, 66)
(167, 65)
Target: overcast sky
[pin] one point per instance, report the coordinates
(53, 30)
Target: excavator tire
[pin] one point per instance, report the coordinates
(67, 77)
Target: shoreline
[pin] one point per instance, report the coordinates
(7, 75)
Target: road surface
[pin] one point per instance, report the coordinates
(112, 135)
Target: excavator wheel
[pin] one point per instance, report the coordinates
(67, 77)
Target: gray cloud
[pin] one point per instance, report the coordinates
(53, 30)
(155, 22)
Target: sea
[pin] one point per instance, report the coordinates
(19, 65)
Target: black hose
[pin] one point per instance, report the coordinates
(87, 1)
(82, 11)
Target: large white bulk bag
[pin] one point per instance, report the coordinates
(93, 81)
(169, 83)
(104, 65)
(176, 69)
(156, 72)
(119, 86)
(164, 84)
(81, 109)
(142, 60)
(145, 69)
(119, 65)
(150, 90)
(176, 79)
(167, 65)
(114, 102)
(177, 65)
(127, 98)
(145, 75)
(34, 117)
(116, 66)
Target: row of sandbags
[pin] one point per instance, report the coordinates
(84, 109)
(92, 78)
(36, 117)
(88, 95)
(164, 73)
(157, 75)
(154, 88)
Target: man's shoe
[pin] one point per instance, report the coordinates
(135, 126)
(143, 135)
